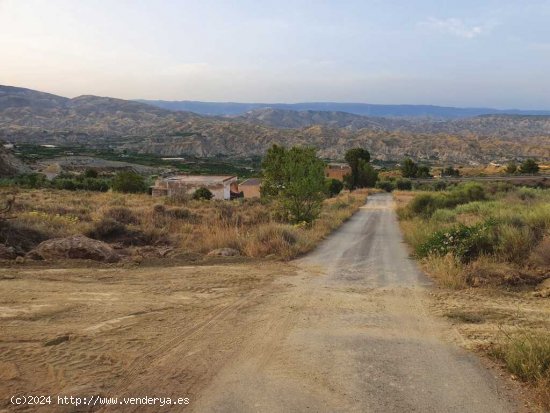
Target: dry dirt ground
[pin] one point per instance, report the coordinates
(349, 327)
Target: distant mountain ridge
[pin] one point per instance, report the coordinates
(362, 109)
(28, 116)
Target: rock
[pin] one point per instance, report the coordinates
(225, 252)
(78, 246)
(7, 253)
(19, 260)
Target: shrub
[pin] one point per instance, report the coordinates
(180, 213)
(527, 194)
(541, 253)
(423, 172)
(444, 215)
(387, 186)
(462, 241)
(527, 355)
(203, 193)
(440, 186)
(447, 269)
(107, 230)
(32, 180)
(64, 183)
(500, 187)
(90, 173)
(529, 166)
(95, 184)
(515, 243)
(409, 169)
(179, 198)
(129, 182)
(450, 171)
(159, 209)
(511, 168)
(163, 216)
(79, 183)
(276, 239)
(122, 214)
(21, 236)
(404, 184)
(426, 204)
(334, 187)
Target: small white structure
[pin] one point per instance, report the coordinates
(220, 186)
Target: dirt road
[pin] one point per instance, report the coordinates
(353, 334)
(344, 329)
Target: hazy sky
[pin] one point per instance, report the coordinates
(461, 53)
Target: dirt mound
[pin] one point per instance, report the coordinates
(77, 246)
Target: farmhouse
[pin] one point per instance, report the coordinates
(251, 187)
(337, 171)
(221, 186)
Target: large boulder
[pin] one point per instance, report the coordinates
(77, 246)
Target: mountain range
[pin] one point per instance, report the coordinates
(28, 116)
(362, 109)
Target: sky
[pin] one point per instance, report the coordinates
(482, 53)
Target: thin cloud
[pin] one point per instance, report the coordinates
(455, 27)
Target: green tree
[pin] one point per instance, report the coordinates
(355, 158)
(128, 181)
(366, 175)
(450, 171)
(295, 179)
(334, 187)
(529, 166)
(387, 186)
(423, 172)
(90, 173)
(409, 169)
(511, 168)
(403, 184)
(271, 169)
(203, 193)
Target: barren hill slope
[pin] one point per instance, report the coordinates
(36, 117)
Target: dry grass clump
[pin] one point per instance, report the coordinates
(527, 355)
(447, 270)
(540, 256)
(248, 225)
(122, 215)
(268, 239)
(515, 242)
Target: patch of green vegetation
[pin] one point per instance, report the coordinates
(220, 165)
